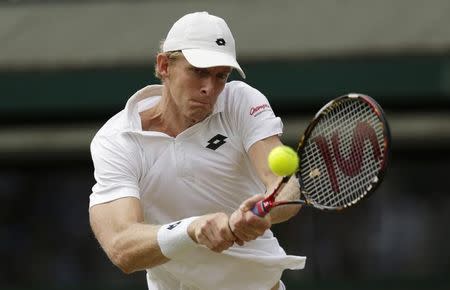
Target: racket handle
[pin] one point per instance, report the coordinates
(263, 207)
(259, 209)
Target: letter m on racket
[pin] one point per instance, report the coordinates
(352, 164)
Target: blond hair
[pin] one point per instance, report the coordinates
(171, 55)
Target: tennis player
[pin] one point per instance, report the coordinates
(180, 167)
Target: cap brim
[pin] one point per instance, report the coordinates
(208, 58)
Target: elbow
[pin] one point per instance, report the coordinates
(121, 258)
(122, 261)
(125, 268)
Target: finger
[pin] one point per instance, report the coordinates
(235, 237)
(252, 234)
(221, 239)
(259, 223)
(254, 226)
(222, 246)
(227, 234)
(239, 242)
(220, 235)
(244, 236)
(249, 203)
(248, 226)
(205, 237)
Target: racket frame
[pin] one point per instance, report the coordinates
(263, 207)
(376, 108)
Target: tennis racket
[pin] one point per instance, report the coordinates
(343, 155)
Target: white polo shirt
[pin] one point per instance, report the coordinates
(204, 169)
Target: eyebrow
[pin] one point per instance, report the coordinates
(228, 71)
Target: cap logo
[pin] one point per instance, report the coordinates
(220, 41)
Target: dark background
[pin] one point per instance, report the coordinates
(396, 239)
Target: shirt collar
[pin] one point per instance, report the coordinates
(151, 91)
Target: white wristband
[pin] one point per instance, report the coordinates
(173, 238)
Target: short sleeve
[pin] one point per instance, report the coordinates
(252, 114)
(116, 168)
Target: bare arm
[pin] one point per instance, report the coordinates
(129, 243)
(258, 153)
(132, 245)
(243, 222)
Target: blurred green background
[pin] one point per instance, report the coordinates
(67, 66)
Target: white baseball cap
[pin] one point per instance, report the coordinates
(205, 41)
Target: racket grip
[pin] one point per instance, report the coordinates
(259, 209)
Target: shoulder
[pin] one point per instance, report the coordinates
(237, 93)
(128, 120)
(240, 96)
(114, 125)
(114, 135)
(239, 88)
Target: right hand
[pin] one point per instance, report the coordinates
(247, 226)
(212, 231)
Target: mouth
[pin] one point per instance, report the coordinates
(203, 103)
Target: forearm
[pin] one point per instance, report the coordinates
(290, 191)
(135, 248)
(258, 153)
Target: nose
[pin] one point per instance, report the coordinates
(207, 87)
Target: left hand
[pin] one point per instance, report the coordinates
(212, 231)
(247, 226)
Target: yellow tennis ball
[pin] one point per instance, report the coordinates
(283, 160)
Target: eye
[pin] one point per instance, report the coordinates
(223, 76)
(200, 71)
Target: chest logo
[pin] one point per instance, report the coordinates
(216, 141)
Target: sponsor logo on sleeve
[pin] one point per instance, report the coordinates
(255, 111)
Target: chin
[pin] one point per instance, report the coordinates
(198, 117)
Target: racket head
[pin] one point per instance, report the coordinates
(344, 152)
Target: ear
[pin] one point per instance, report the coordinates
(162, 64)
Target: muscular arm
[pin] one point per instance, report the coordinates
(129, 243)
(132, 245)
(258, 153)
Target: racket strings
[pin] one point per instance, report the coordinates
(340, 158)
(352, 185)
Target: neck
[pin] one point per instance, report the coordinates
(165, 117)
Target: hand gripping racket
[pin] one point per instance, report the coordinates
(343, 156)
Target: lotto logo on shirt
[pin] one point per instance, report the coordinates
(255, 111)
